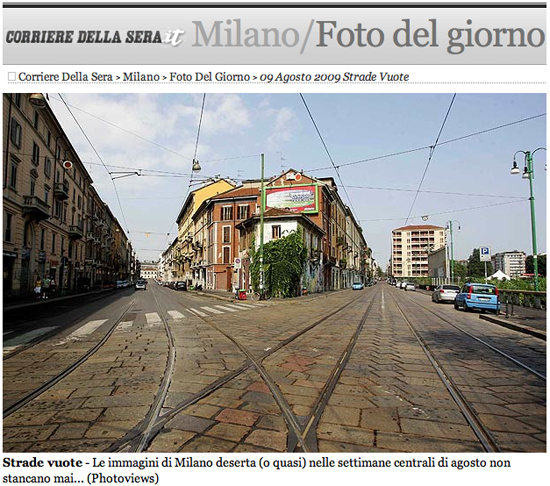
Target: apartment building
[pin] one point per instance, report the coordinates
(512, 263)
(49, 206)
(410, 245)
(218, 263)
(188, 252)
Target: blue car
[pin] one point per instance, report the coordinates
(478, 296)
(357, 286)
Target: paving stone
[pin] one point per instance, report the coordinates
(21, 418)
(393, 442)
(380, 419)
(341, 415)
(28, 434)
(231, 432)
(268, 438)
(111, 430)
(73, 430)
(190, 423)
(241, 417)
(272, 422)
(208, 444)
(345, 434)
(170, 440)
(95, 391)
(437, 429)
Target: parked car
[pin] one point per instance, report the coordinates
(141, 285)
(478, 296)
(181, 285)
(445, 293)
(402, 285)
(357, 286)
(410, 286)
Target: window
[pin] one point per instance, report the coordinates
(227, 213)
(35, 153)
(8, 221)
(15, 135)
(36, 120)
(33, 186)
(49, 138)
(276, 231)
(13, 173)
(53, 243)
(57, 209)
(226, 237)
(243, 212)
(226, 254)
(42, 238)
(47, 167)
(46, 194)
(17, 99)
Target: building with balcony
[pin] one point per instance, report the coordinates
(512, 263)
(48, 205)
(410, 247)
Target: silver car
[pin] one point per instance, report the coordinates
(445, 293)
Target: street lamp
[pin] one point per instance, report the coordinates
(529, 174)
(449, 227)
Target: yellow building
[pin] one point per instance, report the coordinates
(189, 249)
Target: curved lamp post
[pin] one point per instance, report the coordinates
(529, 174)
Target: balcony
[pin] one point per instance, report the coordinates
(75, 232)
(61, 191)
(35, 208)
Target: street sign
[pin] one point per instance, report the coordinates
(485, 254)
(237, 264)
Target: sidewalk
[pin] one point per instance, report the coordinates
(524, 319)
(32, 301)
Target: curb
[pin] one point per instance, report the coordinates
(515, 327)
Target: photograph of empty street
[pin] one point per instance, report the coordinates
(274, 272)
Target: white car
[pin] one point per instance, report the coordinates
(410, 286)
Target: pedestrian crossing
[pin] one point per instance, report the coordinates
(151, 319)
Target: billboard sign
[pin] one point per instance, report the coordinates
(297, 198)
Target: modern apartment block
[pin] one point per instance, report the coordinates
(512, 263)
(410, 245)
(55, 223)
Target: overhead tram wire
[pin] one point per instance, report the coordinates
(445, 142)
(194, 157)
(99, 157)
(328, 153)
(432, 150)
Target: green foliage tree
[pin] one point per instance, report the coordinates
(284, 261)
(541, 263)
(476, 268)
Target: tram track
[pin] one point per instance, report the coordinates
(483, 432)
(36, 392)
(500, 352)
(300, 436)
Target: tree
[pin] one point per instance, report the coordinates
(541, 263)
(476, 268)
(284, 261)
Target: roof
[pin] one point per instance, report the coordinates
(238, 192)
(419, 227)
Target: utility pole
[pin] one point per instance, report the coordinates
(262, 210)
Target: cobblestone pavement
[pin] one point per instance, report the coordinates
(387, 398)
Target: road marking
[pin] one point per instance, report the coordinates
(240, 306)
(229, 309)
(123, 326)
(152, 318)
(25, 338)
(86, 330)
(198, 312)
(176, 315)
(211, 309)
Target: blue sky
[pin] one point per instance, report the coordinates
(467, 181)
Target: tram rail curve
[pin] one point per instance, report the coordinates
(300, 436)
